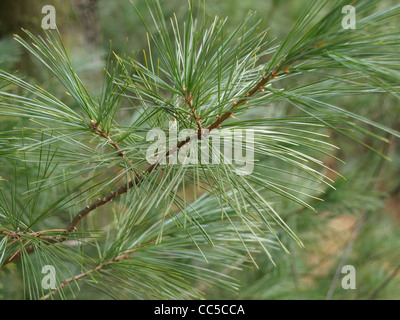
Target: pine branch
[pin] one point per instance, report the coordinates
(22, 235)
(98, 269)
(196, 117)
(197, 78)
(96, 129)
(138, 179)
(259, 86)
(19, 235)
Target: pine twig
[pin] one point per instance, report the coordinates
(97, 269)
(259, 86)
(19, 236)
(194, 114)
(16, 235)
(124, 189)
(83, 275)
(96, 129)
(139, 177)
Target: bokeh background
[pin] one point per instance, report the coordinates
(357, 225)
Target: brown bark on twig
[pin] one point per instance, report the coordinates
(97, 269)
(20, 236)
(103, 134)
(139, 177)
(196, 117)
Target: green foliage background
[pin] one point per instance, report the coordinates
(370, 191)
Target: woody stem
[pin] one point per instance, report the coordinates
(97, 269)
(139, 177)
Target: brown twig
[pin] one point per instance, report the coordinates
(139, 177)
(137, 180)
(259, 86)
(98, 269)
(83, 275)
(21, 235)
(96, 129)
(196, 117)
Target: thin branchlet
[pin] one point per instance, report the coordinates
(124, 256)
(102, 133)
(189, 102)
(139, 177)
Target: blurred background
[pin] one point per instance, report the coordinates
(358, 225)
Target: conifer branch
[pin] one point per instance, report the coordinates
(22, 235)
(193, 70)
(97, 269)
(196, 117)
(139, 177)
(134, 182)
(96, 129)
(259, 86)
(19, 235)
